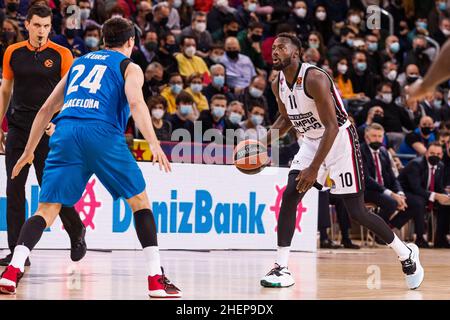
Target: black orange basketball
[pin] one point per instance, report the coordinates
(250, 156)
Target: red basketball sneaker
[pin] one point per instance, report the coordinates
(10, 279)
(161, 287)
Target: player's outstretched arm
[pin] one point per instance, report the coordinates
(282, 124)
(438, 73)
(134, 80)
(319, 87)
(52, 105)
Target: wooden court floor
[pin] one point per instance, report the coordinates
(337, 274)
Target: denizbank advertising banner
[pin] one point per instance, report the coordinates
(196, 206)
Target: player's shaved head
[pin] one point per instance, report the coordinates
(286, 50)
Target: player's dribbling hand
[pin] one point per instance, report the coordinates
(50, 129)
(160, 157)
(306, 179)
(26, 158)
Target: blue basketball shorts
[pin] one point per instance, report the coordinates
(81, 148)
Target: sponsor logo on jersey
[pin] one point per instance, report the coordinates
(48, 63)
(304, 122)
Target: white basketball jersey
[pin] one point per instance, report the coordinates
(301, 108)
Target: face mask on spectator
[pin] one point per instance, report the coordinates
(355, 19)
(177, 3)
(185, 109)
(446, 32)
(190, 51)
(232, 54)
(419, 50)
(252, 7)
(255, 92)
(171, 48)
(200, 26)
(300, 12)
(426, 130)
(411, 79)
(342, 68)
(437, 103)
(377, 118)
(196, 87)
(321, 15)
(8, 35)
(375, 145)
(349, 42)
(442, 6)
(313, 45)
(235, 117)
(164, 21)
(394, 47)
(219, 81)
(386, 97)
(434, 160)
(12, 6)
(91, 42)
(218, 111)
(257, 119)
(231, 33)
(151, 45)
(216, 59)
(392, 75)
(256, 37)
(362, 66)
(176, 88)
(372, 46)
(190, 2)
(422, 25)
(312, 62)
(85, 13)
(157, 113)
(70, 33)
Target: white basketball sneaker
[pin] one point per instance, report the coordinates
(412, 268)
(278, 277)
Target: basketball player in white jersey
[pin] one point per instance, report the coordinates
(308, 101)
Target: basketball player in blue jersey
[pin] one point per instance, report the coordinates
(95, 99)
(308, 101)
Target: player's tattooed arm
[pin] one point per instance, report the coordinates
(134, 80)
(282, 124)
(319, 87)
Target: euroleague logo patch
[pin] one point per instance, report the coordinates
(48, 63)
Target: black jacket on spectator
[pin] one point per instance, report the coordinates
(209, 91)
(216, 19)
(367, 82)
(440, 37)
(420, 59)
(140, 59)
(303, 26)
(414, 178)
(178, 123)
(168, 62)
(429, 110)
(337, 51)
(208, 123)
(395, 117)
(389, 179)
(374, 62)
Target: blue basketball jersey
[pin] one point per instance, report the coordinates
(95, 90)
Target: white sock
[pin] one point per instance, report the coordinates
(20, 255)
(153, 260)
(400, 248)
(283, 256)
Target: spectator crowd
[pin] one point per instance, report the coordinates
(210, 61)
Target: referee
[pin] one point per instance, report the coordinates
(31, 69)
